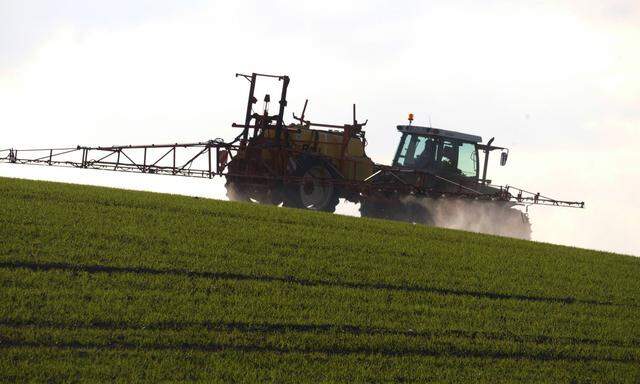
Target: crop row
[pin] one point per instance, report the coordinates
(142, 300)
(71, 364)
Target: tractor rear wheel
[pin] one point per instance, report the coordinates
(515, 224)
(315, 189)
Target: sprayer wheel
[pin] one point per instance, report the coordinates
(272, 196)
(251, 194)
(316, 190)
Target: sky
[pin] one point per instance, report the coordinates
(558, 82)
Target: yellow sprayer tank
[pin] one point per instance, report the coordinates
(355, 165)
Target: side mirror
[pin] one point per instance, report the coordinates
(503, 158)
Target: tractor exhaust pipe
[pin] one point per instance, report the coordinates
(486, 160)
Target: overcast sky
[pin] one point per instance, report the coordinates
(556, 82)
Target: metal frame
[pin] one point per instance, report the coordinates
(209, 158)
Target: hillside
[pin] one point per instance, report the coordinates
(104, 284)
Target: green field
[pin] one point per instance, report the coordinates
(100, 284)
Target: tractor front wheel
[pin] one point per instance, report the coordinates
(397, 210)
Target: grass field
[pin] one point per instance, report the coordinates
(113, 285)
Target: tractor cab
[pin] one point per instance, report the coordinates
(452, 155)
(438, 151)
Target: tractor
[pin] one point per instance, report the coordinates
(442, 163)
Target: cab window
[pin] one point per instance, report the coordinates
(437, 155)
(460, 158)
(403, 149)
(417, 151)
(468, 160)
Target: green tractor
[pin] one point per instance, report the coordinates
(442, 164)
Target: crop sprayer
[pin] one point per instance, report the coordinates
(312, 165)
